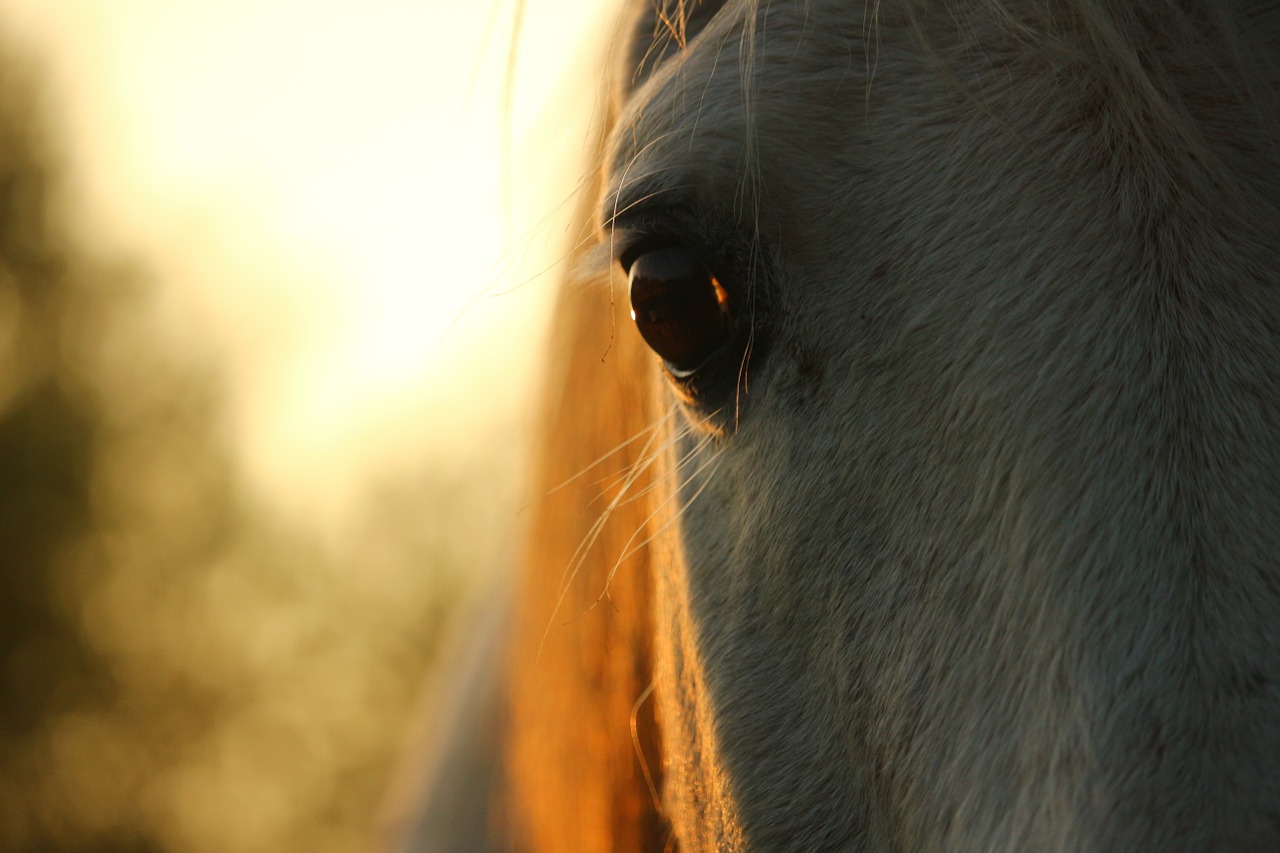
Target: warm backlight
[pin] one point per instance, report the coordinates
(324, 187)
(269, 307)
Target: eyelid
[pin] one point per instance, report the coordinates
(644, 201)
(637, 243)
(649, 224)
(640, 231)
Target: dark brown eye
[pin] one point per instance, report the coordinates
(680, 308)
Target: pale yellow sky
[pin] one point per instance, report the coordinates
(318, 182)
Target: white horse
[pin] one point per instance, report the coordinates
(947, 514)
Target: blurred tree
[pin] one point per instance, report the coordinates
(179, 670)
(47, 436)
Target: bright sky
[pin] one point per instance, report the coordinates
(321, 183)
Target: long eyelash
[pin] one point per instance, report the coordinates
(637, 202)
(590, 261)
(622, 181)
(596, 262)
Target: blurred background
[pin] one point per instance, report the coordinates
(272, 276)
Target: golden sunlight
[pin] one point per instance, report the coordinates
(270, 292)
(323, 183)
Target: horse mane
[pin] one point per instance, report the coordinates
(583, 755)
(582, 743)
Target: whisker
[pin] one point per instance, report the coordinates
(680, 463)
(593, 534)
(628, 551)
(681, 431)
(653, 426)
(675, 517)
(635, 742)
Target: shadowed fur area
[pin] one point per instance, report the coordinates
(968, 536)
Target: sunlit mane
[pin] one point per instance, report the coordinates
(935, 505)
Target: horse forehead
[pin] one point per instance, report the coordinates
(756, 75)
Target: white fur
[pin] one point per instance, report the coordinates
(989, 555)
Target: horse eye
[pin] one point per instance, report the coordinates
(680, 308)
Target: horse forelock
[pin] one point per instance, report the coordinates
(988, 559)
